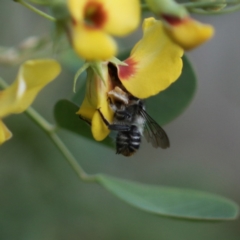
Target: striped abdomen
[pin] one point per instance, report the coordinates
(128, 142)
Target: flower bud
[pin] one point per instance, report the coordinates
(168, 7)
(187, 32)
(215, 7)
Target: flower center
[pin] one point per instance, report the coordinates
(125, 72)
(94, 15)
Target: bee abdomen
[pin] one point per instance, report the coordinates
(128, 142)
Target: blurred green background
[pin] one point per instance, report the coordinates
(40, 195)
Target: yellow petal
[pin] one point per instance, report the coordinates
(90, 102)
(86, 110)
(189, 33)
(33, 75)
(96, 98)
(155, 62)
(5, 134)
(93, 44)
(76, 8)
(99, 128)
(123, 16)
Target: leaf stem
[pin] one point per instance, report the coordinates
(191, 6)
(71, 160)
(208, 4)
(39, 120)
(224, 11)
(49, 129)
(30, 7)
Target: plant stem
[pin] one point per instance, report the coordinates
(208, 4)
(49, 129)
(27, 5)
(228, 10)
(192, 5)
(39, 120)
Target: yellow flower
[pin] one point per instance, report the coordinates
(94, 21)
(183, 30)
(187, 32)
(96, 97)
(155, 62)
(33, 75)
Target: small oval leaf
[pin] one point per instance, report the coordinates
(169, 104)
(171, 202)
(66, 118)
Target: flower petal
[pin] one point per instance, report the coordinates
(123, 16)
(99, 128)
(96, 98)
(90, 102)
(76, 8)
(189, 33)
(155, 62)
(33, 75)
(5, 134)
(92, 44)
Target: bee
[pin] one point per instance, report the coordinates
(131, 121)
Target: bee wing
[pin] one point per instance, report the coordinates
(154, 133)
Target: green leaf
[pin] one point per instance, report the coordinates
(171, 202)
(66, 118)
(169, 104)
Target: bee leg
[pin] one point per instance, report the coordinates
(114, 127)
(119, 127)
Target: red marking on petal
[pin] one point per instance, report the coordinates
(74, 22)
(95, 15)
(172, 20)
(125, 72)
